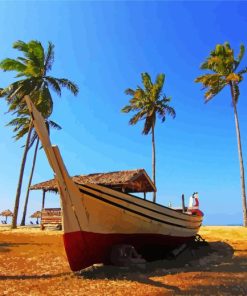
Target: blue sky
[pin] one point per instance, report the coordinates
(103, 47)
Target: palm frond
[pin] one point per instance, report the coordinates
(243, 71)
(21, 74)
(170, 110)
(52, 82)
(129, 91)
(212, 92)
(140, 94)
(138, 116)
(62, 82)
(71, 86)
(14, 91)
(18, 123)
(149, 122)
(21, 46)
(12, 65)
(146, 81)
(160, 80)
(205, 65)
(163, 108)
(24, 60)
(34, 56)
(49, 57)
(138, 102)
(54, 125)
(126, 109)
(36, 53)
(21, 133)
(43, 101)
(156, 90)
(239, 57)
(207, 79)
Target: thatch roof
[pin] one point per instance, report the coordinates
(6, 213)
(128, 181)
(36, 214)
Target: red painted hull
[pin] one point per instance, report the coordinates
(84, 249)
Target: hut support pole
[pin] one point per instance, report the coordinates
(144, 194)
(43, 199)
(183, 204)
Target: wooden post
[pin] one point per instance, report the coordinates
(43, 205)
(144, 194)
(183, 204)
(43, 199)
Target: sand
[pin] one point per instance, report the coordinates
(33, 262)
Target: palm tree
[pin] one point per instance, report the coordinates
(224, 72)
(148, 103)
(21, 125)
(33, 66)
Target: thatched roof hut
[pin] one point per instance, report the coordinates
(127, 181)
(6, 214)
(36, 214)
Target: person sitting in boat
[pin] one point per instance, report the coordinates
(194, 205)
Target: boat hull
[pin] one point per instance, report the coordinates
(86, 248)
(116, 218)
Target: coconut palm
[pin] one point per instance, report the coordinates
(21, 125)
(148, 102)
(33, 66)
(223, 67)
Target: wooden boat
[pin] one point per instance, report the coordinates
(96, 218)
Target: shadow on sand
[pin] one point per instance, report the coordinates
(7, 247)
(216, 256)
(33, 276)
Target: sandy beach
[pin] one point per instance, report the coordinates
(33, 262)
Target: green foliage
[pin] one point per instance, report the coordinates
(223, 67)
(148, 102)
(33, 66)
(21, 123)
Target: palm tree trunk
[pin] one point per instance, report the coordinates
(18, 191)
(29, 184)
(153, 161)
(242, 179)
(241, 167)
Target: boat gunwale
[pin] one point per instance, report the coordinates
(105, 200)
(195, 219)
